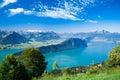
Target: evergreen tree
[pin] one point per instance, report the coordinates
(55, 65)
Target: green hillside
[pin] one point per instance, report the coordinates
(110, 74)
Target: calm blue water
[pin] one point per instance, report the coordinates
(4, 53)
(97, 52)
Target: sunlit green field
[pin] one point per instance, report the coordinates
(110, 74)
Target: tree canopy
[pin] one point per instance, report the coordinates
(12, 69)
(114, 57)
(34, 61)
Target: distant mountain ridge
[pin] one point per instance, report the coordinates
(16, 37)
(71, 43)
(94, 36)
(13, 38)
(25, 36)
(67, 44)
(40, 36)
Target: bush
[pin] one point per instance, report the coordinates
(65, 71)
(96, 68)
(114, 57)
(12, 69)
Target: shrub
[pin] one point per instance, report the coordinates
(96, 68)
(12, 69)
(114, 57)
(65, 71)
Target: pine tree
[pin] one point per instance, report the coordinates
(55, 66)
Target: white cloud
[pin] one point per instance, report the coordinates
(86, 2)
(28, 12)
(20, 10)
(91, 21)
(57, 13)
(16, 11)
(34, 30)
(67, 11)
(6, 2)
(64, 10)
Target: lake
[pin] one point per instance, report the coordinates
(6, 52)
(94, 53)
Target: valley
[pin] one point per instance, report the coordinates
(59, 39)
(31, 44)
(26, 39)
(96, 42)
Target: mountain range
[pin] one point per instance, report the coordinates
(12, 37)
(94, 36)
(71, 43)
(65, 45)
(16, 37)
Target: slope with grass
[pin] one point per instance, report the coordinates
(109, 74)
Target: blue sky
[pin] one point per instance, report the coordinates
(60, 15)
